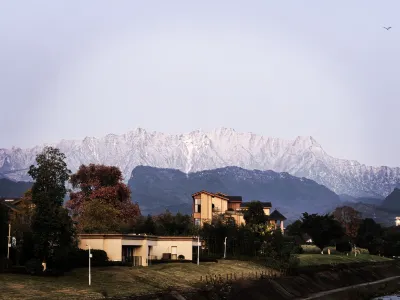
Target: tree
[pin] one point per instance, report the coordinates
(146, 225)
(254, 214)
(369, 236)
(102, 184)
(296, 231)
(3, 230)
(99, 217)
(350, 220)
(322, 229)
(21, 222)
(279, 250)
(53, 232)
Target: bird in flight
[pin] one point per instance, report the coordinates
(387, 28)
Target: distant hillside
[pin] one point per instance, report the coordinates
(369, 200)
(156, 188)
(392, 201)
(14, 189)
(386, 218)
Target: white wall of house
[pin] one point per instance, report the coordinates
(183, 247)
(112, 245)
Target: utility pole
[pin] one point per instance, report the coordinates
(9, 241)
(225, 248)
(90, 273)
(198, 250)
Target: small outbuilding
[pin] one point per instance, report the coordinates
(140, 249)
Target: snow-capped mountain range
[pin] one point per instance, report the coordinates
(198, 150)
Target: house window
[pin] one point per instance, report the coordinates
(197, 205)
(197, 222)
(174, 252)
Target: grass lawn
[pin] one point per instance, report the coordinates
(318, 259)
(116, 280)
(124, 281)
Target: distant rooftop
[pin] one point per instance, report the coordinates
(264, 204)
(277, 216)
(234, 198)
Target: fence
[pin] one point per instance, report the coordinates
(221, 278)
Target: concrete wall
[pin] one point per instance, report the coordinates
(206, 208)
(164, 245)
(113, 246)
(220, 204)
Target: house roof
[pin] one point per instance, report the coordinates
(264, 204)
(9, 203)
(277, 216)
(210, 194)
(234, 198)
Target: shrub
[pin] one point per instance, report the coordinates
(343, 246)
(80, 258)
(181, 257)
(34, 266)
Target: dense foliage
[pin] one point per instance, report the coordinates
(326, 230)
(321, 228)
(102, 202)
(254, 214)
(3, 230)
(166, 224)
(52, 228)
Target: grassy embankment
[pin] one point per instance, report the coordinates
(312, 256)
(113, 281)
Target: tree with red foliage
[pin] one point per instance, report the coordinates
(104, 184)
(350, 219)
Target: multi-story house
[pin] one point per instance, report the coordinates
(207, 205)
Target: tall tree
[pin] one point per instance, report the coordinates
(295, 230)
(350, 219)
(53, 232)
(254, 214)
(21, 222)
(369, 236)
(103, 184)
(322, 229)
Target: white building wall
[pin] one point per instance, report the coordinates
(183, 247)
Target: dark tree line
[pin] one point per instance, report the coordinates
(345, 229)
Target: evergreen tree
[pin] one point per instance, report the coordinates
(52, 227)
(254, 214)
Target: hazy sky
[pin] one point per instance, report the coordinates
(70, 69)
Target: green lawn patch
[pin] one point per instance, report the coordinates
(122, 281)
(319, 259)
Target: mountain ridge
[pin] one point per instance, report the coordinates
(199, 150)
(158, 188)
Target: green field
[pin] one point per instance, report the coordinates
(318, 259)
(312, 256)
(112, 281)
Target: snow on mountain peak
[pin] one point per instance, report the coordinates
(221, 147)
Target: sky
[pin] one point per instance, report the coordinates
(327, 69)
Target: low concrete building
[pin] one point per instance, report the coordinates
(139, 249)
